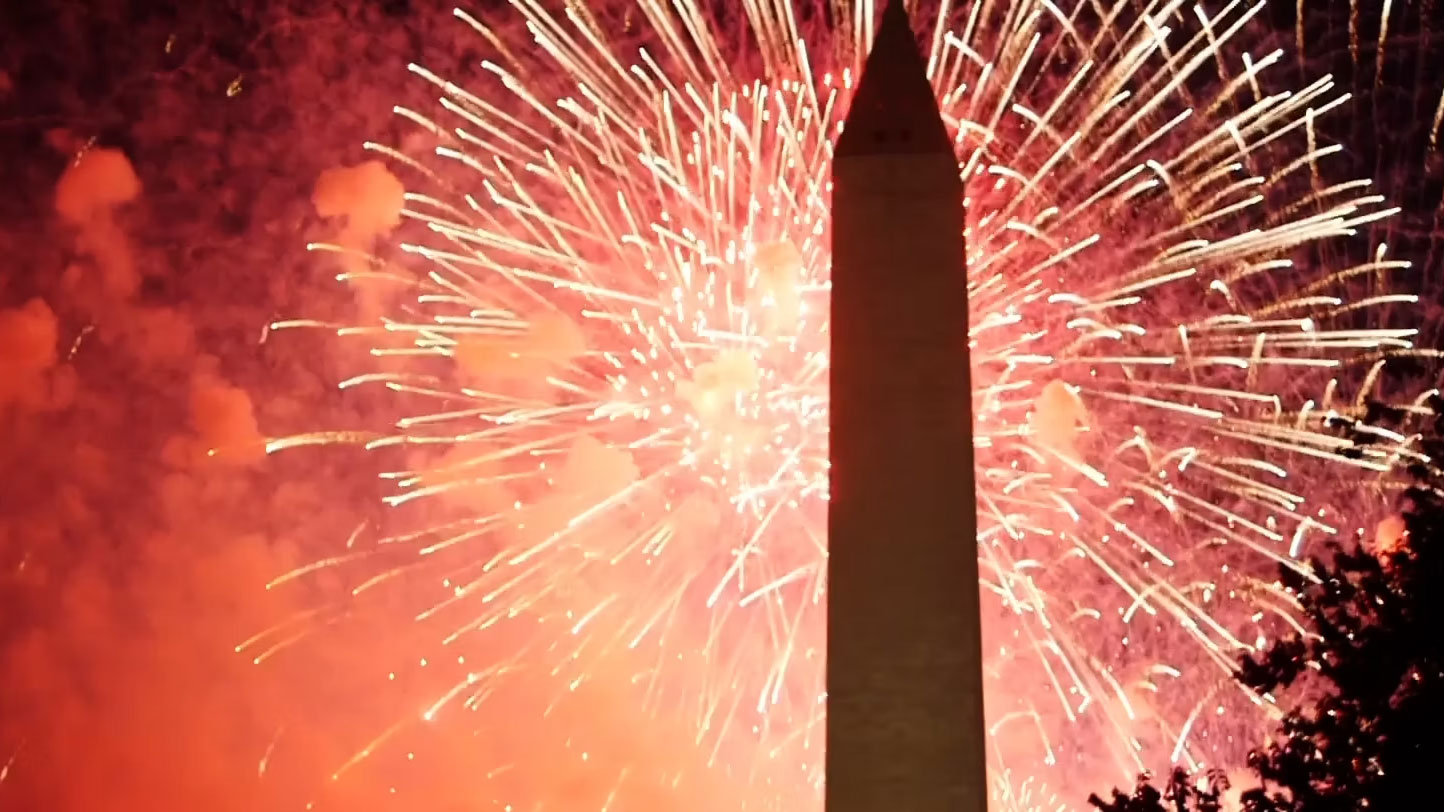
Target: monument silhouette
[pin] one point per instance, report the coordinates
(905, 730)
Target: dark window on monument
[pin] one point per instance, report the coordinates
(881, 136)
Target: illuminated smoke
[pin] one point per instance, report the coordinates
(609, 338)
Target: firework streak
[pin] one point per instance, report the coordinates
(612, 350)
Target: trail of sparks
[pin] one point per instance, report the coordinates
(614, 351)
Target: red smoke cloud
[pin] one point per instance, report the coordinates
(141, 519)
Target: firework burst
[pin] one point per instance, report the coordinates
(611, 351)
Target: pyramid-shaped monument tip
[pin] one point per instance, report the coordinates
(894, 110)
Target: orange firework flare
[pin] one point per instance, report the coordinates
(611, 348)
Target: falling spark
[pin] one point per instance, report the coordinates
(613, 354)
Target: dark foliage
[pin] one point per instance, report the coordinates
(1181, 794)
(1374, 643)
(1373, 742)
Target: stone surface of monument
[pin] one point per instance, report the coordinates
(905, 729)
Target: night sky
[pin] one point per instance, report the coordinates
(133, 305)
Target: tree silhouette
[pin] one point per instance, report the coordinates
(1144, 798)
(1182, 793)
(1374, 643)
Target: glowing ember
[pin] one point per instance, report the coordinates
(611, 346)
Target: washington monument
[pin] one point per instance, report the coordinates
(904, 687)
